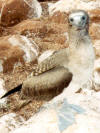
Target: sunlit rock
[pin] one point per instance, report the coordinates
(10, 121)
(66, 5)
(3, 102)
(79, 116)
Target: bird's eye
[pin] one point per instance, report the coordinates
(71, 19)
(83, 17)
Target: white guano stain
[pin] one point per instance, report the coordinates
(38, 8)
(30, 44)
(2, 87)
(35, 5)
(26, 45)
(2, 92)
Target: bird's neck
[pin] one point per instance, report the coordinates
(78, 38)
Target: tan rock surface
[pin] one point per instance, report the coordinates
(45, 32)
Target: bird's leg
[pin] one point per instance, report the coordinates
(22, 103)
(71, 89)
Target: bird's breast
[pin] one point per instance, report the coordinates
(81, 59)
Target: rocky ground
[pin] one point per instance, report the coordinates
(27, 29)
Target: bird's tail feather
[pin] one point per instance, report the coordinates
(18, 88)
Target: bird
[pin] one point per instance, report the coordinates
(76, 62)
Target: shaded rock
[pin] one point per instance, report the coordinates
(15, 51)
(14, 11)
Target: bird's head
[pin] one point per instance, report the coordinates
(78, 20)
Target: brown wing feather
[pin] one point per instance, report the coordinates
(53, 61)
(46, 65)
(53, 79)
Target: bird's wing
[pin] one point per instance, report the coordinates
(51, 62)
(55, 60)
(52, 80)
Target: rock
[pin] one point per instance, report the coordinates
(80, 113)
(16, 50)
(79, 116)
(14, 11)
(2, 87)
(97, 46)
(27, 26)
(39, 27)
(59, 17)
(95, 32)
(4, 129)
(71, 116)
(95, 14)
(44, 6)
(3, 102)
(9, 121)
(83, 124)
(96, 75)
(46, 33)
(66, 5)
